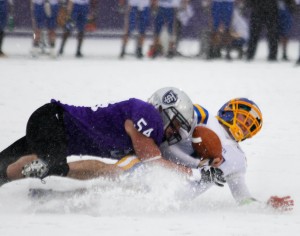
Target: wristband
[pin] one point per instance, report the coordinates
(152, 159)
(196, 175)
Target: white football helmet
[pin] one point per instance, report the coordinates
(176, 110)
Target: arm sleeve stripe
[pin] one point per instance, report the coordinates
(202, 114)
(127, 162)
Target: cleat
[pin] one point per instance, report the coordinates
(79, 55)
(139, 53)
(35, 51)
(122, 54)
(170, 54)
(35, 169)
(52, 53)
(2, 54)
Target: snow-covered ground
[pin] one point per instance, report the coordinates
(127, 207)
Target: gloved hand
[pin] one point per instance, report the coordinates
(35, 169)
(70, 24)
(281, 203)
(214, 175)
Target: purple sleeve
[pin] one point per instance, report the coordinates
(147, 120)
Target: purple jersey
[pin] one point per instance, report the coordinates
(101, 131)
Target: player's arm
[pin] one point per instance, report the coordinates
(147, 151)
(145, 148)
(241, 194)
(89, 169)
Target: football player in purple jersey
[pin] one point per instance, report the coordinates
(56, 131)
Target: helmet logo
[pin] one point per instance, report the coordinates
(169, 98)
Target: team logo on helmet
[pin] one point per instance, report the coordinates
(169, 97)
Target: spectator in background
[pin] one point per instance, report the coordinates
(166, 14)
(286, 8)
(184, 14)
(222, 11)
(6, 8)
(44, 16)
(239, 33)
(77, 13)
(205, 29)
(263, 13)
(137, 11)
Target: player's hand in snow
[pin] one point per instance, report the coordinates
(214, 175)
(285, 203)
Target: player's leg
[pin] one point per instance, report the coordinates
(214, 50)
(255, 29)
(65, 36)
(158, 24)
(227, 13)
(272, 34)
(298, 61)
(38, 23)
(1, 41)
(3, 21)
(46, 137)
(144, 17)
(69, 25)
(83, 11)
(285, 24)
(51, 25)
(170, 19)
(129, 25)
(10, 156)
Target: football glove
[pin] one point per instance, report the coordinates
(281, 203)
(213, 175)
(35, 169)
(70, 24)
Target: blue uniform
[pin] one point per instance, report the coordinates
(164, 15)
(79, 15)
(3, 14)
(222, 11)
(143, 17)
(285, 19)
(101, 132)
(41, 18)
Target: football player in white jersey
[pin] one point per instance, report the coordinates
(237, 120)
(77, 16)
(166, 14)
(44, 17)
(137, 14)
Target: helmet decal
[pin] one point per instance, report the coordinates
(169, 98)
(176, 110)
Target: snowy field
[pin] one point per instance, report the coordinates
(125, 207)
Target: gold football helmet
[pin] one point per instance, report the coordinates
(242, 117)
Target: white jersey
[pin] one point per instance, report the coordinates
(169, 3)
(140, 4)
(240, 25)
(40, 2)
(185, 14)
(81, 2)
(233, 167)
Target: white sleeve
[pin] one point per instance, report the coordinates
(179, 155)
(238, 188)
(199, 187)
